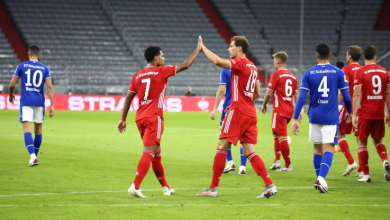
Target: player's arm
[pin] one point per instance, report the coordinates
(356, 102)
(296, 95)
(256, 93)
(267, 97)
(347, 99)
(191, 59)
(388, 105)
(216, 59)
(126, 107)
(218, 97)
(298, 108)
(50, 91)
(11, 88)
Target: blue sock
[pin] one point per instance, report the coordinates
(28, 140)
(326, 162)
(37, 143)
(317, 163)
(243, 158)
(229, 154)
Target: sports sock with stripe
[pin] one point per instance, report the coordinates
(326, 163)
(285, 151)
(317, 163)
(218, 166)
(28, 141)
(363, 160)
(345, 148)
(158, 170)
(259, 167)
(277, 148)
(381, 149)
(243, 157)
(143, 168)
(37, 143)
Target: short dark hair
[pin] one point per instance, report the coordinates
(151, 52)
(241, 41)
(355, 52)
(323, 51)
(34, 50)
(340, 64)
(370, 52)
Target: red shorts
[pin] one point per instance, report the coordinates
(239, 127)
(369, 126)
(151, 130)
(279, 124)
(356, 130)
(345, 124)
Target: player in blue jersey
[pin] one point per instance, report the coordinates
(33, 76)
(224, 84)
(323, 81)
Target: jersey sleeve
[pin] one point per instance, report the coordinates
(223, 79)
(342, 80)
(48, 76)
(18, 71)
(346, 73)
(132, 85)
(235, 64)
(168, 71)
(272, 82)
(358, 77)
(305, 82)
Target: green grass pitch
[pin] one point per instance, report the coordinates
(86, 166)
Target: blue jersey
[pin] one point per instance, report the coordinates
(32, 75)
(225, 80)
(324, 81)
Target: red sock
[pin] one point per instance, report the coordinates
(143, 167)
(277, 148)
(285, 151)
(259, 167)
(381, 149)
(218, 166)
(158, 169)
(345, 148)
(363, 160)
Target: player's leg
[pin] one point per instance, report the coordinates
(343, 144)
(242, 170)
(378, 132)
(364, 132)
(277, 149)
(315, 137)
(360, 172)
(285, 153)
(37, 139)
(317, 158)
(230, 164)
(26, 117)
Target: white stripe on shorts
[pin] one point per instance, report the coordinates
(274, 121)
(228, 120)
(159, 127)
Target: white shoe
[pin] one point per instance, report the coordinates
(284, 168)
(365, 179)
(276, 165)
(229, 167)
(350, 168)
(242, 170)
(386, 168)
(209, 192)
(359, 174)
(32, 160)
(322, 185)
(268, 192)
(168, 191)
(134, 192)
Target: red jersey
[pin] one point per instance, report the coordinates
(283, 83)
(350, 71)
(243, 80)
(151, 85)
(374, 80)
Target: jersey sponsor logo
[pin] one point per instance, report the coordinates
(146, 74)
(287, 98)
(250, 65)
(32, 66)
(322, 71)
(33, 89)
(249, 94)
(320, 101)
(374, 70)
(146, 102)
(375, 97)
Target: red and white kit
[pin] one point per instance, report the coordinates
(284, 84)
(346, 124)
(150, 85)
(240, 122)
(374, 80)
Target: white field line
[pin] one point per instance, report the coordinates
(94, 136)
(195, 205)
(187, 189)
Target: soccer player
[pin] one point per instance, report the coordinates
(225, 84)
(240, 123)
(283, 85)
(353, 55)
(33, 75)
(151, 84)
(372, 91)
(323, 81)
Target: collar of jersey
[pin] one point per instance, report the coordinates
(324, 64)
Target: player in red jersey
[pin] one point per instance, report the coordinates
(283, 85)
(372, 91)
(240, 123)
(151, 85)
(353, 55)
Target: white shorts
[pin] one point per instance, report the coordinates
(32, 113)
(323, 134)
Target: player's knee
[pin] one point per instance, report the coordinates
(376, 141)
